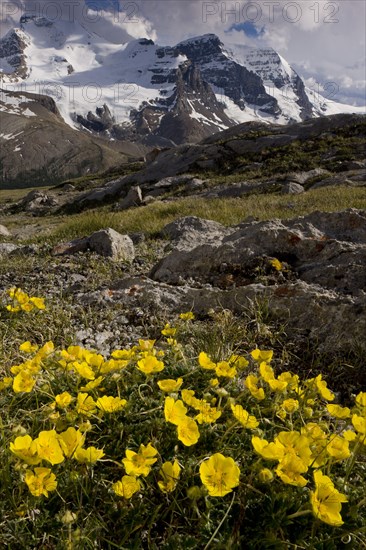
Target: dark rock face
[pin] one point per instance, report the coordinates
(241, 85)
(99, 122)
(12, 51)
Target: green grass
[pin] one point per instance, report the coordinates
(152, 218)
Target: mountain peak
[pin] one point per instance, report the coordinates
(209, 37)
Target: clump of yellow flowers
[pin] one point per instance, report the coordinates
(20, 301)
(147, 421)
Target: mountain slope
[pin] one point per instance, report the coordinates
(38, 148)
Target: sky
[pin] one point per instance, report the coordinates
(323, 40)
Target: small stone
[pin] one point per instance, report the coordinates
(292, 188)
(4, 232)
(133, 198)
(111, 244)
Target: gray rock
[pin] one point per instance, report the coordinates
(68, 187)
(190, 232)
(303, 177)
(320, 247)
(26, 250)
(110, 243)
(71, 247)
(332, 181)
(7, 248)
(38, 200)
(356, 165)
(133, 198)
(292, 188)
(4, 232)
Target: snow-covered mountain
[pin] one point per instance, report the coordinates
(143, 92)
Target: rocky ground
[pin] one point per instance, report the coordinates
(309, 272)
(303, 277)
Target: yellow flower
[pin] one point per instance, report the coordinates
(92, 384)
(140, 463)
(214, 382)
(85, 404)
(23, 382)
(169, 385)
(189, 316)
(83, 369)
(41, 481)
(266, 371)
(223, 368)
(174, 411)
(291, 476)
(146, 345)
(70, 440)
(113, 365)
(188, 432)
(290, 405)
(349, 435)
(265, 475)
(150, 364)
(205, 362)
(27, 347)
(172, 341)
(291, 379)
(238, 361)
(339, 412)
(361, 399)
(5, 382)
(26, 449)
(21, 301)
(277, 385)
(168, 330)
(126, 354)
(189, 399)
(170, 474)
(127, 487)
(338, 448)
(207, 414)
(251, 382)
(89, 455)
(326, 500)
(262, 355)
(270, 451)
(276, 264)
(219, 474)
(111, 404)
(246, 419)
(38, 302)
(295, 444)
(321, 387)
(48, 447)
(47, 349)
(359, 423)
(63, 400)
